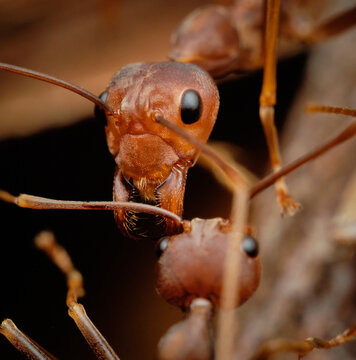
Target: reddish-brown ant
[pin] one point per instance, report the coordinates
(240, 38)
(211, 263)
(152, 163)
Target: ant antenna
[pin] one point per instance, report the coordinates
(36, 202)
(229, 171)
(58, 82)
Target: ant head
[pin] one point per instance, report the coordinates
(183, 94)
(152, 160)
(190, 264)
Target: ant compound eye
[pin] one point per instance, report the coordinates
(191, 107)
(99, 112)
(161, 246)
(250, 246)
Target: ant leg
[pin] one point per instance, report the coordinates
(302, 348)
(267, 103)
(23, 343)
(331, 110)
(46, 242)
(346, 134)
(40, 203)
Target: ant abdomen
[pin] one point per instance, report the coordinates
(191, 264)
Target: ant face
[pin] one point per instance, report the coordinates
(191, 264)
(152, 160)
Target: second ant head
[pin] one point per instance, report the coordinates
(191, 264)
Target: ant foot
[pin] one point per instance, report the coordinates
(287, 204)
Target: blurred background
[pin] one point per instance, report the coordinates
(52, 146)
(84, 42)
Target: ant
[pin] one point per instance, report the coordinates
(151, 163)
(240, 38)
(213, 262)
(160, 214)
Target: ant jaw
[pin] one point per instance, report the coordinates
(168, 195)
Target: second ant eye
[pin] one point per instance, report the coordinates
(161, 246)
(100, 112)
(250, 246)
(191, 107)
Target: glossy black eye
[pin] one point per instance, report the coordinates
(161, 246)
(191, 107)
(98, 111)
(250, 246)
